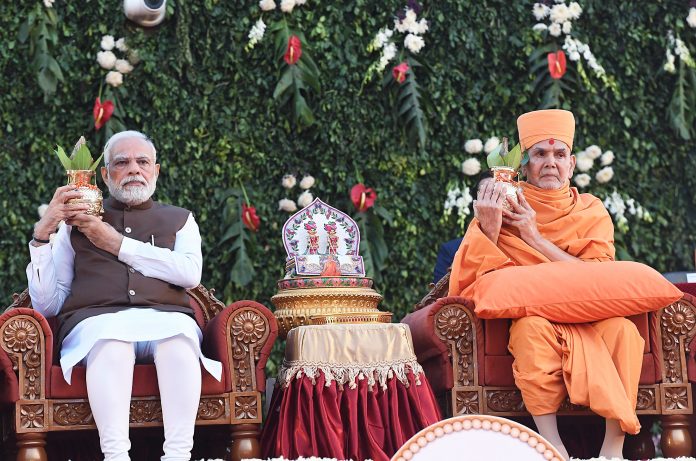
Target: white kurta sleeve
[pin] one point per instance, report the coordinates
(181, 266)
(50, 273)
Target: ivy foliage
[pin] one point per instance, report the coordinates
(208, 105)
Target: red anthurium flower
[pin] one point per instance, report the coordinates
(399, 72)
(249, 218)
(102, 113)
(557, 64)
(294, 50)
(362, 197)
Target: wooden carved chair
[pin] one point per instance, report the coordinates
(469, 367)
(36, 400)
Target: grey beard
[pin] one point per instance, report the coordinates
(133, 195)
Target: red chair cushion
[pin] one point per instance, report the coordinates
(144, 383)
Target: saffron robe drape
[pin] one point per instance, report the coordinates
(579, 225)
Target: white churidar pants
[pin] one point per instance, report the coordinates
(110, 382)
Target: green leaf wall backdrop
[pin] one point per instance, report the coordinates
(208, 105)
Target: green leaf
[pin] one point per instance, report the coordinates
(94, 165)
(47, 81)
(82, 159)
(494, 158)
(64, 159)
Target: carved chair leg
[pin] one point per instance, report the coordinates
(245, 441)
(640, 446)
(676, 439)
(31, 447)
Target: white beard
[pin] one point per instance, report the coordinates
(133, 195)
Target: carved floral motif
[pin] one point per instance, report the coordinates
(72, 414)
(467, 403)
(676, 398)
(145, 411)
(505, 401)
(646, 399)
(21, 335)
(31, 416)
(248, 327)
(678, 318)
(245, 407)
(211, 408)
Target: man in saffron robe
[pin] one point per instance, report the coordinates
(597, 364)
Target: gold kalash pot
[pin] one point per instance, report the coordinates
(80, 169)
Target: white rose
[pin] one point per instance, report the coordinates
(48, 3)
(607, 158)
(123, 66)
(691, 18)
(567, 27)
(106, 59)
(114, 78)
(540, 11)
(42, 210)
(287, 205)
(584, 162)
(420, 27)
(593, 151)
(604, 175)
(491, 144)
(471, 166)
(307, 182)
(669, 67)
(461, 203)
(305, 198)
(582, 180)
(575, 10)
(289, 181)
(539, 27)
(559, 13)
(286, 6)
(574, 56)
(414, 43)
(267, 5)
(473, 146)
(555, 29)
(107, 42)
(121, 44)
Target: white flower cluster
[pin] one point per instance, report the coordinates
(107, 59)
(575, 48)
(460, 199)
(676, 46)
(48, 3)
(559, 15)
(258, 30)
(475, 146)
(586, 161)
(289, 181)
(410, 25)
(691, 18)
(472, 165)
(256, 33)
(618, 206)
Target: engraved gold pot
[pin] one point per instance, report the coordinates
(308, 306)
(506, 175)
(86, 184)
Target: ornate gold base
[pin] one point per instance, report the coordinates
(310, 306)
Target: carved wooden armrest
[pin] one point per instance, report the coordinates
(27, 340)
(677, 328)
(241, 337)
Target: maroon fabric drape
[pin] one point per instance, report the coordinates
(307, 419)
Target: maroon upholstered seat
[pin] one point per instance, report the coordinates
(240, 336)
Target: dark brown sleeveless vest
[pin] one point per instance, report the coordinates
(103, 284)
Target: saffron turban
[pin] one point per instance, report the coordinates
(541, 125)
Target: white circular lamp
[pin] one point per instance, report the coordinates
(145, 13)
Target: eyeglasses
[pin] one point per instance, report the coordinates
(120, 164)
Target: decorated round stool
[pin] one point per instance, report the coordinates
(477, 437)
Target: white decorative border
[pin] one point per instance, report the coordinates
(485, 422)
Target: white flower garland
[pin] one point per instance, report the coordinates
(677, 47)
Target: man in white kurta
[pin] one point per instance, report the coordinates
(107, 336)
